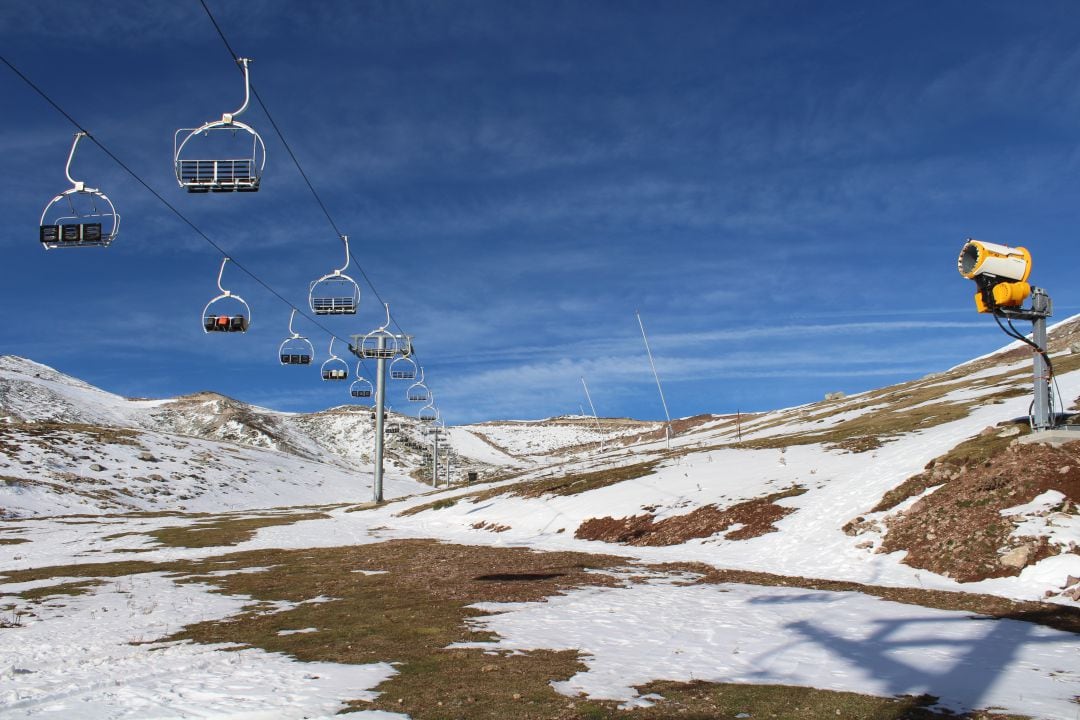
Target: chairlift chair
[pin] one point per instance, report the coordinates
(418, 391)
(428, 414)
(335, 293)
(361, 387)
(334, 368)
(226, 312)
(198, 174)
(295, 349)
(403, 368)
(393, 426)
(80, 216)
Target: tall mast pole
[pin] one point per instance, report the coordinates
(668, 431)
(593, 407)
(435, 455)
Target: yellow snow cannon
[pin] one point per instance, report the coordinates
(1000, 273)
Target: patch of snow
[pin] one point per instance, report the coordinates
(733, 633)
(99, 656)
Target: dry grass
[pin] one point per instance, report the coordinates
(708, 701)
(80, 587)
(46, 433)
(755, 517)
(958, 530)
(970, 453)
(409, 613)
(226, 530)
(571, 484)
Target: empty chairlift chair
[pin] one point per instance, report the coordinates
(335, 293)
(334, 369)
(295, 349)
(418, 391)
(216, 156)
(226, 312)
(80, 216)
(403, 368)
(428, 414)
(361, 389)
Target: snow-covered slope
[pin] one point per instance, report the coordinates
(809, 490)
(68, 447)
(892, 488)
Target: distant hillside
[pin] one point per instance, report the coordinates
(923, 483)
(68, 447)
(926, 483)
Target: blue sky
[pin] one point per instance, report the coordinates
(780, 188)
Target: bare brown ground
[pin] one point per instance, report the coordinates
(422, 602)
(754, 517)
(958, 530)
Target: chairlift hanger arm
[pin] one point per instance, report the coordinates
(221, 272)
(76, 184)
(345, 240)
(227, 118)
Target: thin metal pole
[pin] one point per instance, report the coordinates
(434, 457)
(595, 419)
(1041, 410)
(380, 404)
(447, 459)
(663, 402)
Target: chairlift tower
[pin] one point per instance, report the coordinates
(380, 345)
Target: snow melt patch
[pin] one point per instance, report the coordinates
(1038, 519)
(75, 657)
(629, 636)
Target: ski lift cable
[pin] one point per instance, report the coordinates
(183, 218)
(172, 208)
(296, 161)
